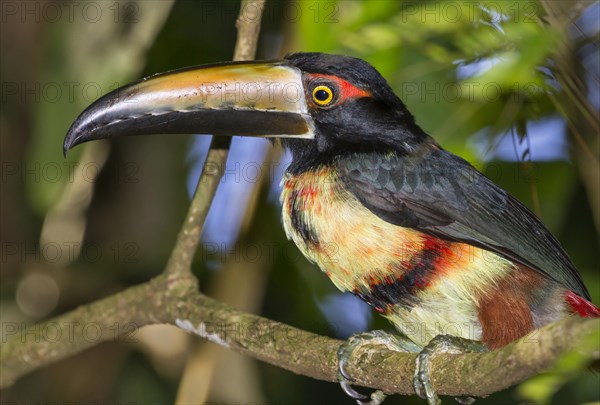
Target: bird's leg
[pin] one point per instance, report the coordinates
(440, 344)
(393, 342)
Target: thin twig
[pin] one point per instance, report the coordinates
(180, 261)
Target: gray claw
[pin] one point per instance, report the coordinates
(422, 381)
(376, 398)
(440, 344)
(343, 360)
(347, 349)
(351, 392)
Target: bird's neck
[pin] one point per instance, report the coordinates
(399, 139)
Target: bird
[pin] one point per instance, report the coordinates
(420, 235)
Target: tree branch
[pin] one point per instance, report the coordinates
(163, 300)
(305, 353)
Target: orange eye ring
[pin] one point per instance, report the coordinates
(322, 95)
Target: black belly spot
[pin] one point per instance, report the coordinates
(402, 291)
(307, 233)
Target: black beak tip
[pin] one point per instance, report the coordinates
(72, 139)
(68, 143)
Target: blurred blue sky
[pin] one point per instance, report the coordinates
(346, 313)
(547, 142)
(226, 213)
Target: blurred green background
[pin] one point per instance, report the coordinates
(512, 86)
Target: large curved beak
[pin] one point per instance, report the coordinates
(264, 99)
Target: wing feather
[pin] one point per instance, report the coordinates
(441, 194)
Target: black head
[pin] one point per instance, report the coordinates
(353, 108)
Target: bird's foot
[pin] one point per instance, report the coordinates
(440, 344)
(346, 350)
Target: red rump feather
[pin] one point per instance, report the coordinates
(581, 306)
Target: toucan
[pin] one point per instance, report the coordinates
(420, 235)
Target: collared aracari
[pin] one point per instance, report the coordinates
(419, 234)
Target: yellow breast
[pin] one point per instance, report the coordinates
(358, 251)
(351, 244)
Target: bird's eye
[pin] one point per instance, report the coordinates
(322, 95)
